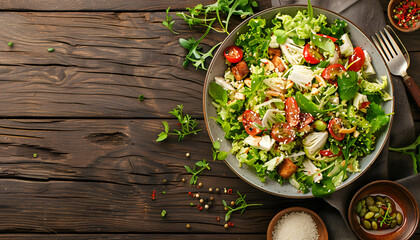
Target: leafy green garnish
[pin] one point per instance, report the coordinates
(199, 167)
(336, 29)
(217, 154)
(408, 150)
(347, 85)
(324, 188)
(376, 116)
(323, 43)
(217, 92)
(187, 123)
(240, 202)
(308, 106)
(168, 23)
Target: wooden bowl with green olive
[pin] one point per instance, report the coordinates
(383, 210)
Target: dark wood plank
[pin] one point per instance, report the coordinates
(109, 5)
(98, 176)
(224, 236)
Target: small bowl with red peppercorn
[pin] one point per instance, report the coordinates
(383, 210)
(404, 15)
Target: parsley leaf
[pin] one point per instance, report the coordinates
(324, 43)
(347, 85)
(168, 23)
(188, 125)
(376, 116)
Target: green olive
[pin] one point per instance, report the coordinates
(399, 218)
(363, 202)
(377, 215)
(379, 204)
(373, 208)
(359, 207)
(390, 209)
(367, 224)
(380, 199)
(393, 215)
(374, 225)
(387, 200)
(370, 201)
(393, 223)
(320, 125)
(382, 211)
(363, 212)
(369, 215)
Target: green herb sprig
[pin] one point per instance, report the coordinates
(168, 23)
(188, 125)
(217, 154)
(240, 202)
(410, 150)
(199, 167)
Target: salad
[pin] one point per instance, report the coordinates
(299, 102)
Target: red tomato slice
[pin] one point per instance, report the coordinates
(356, 60)
(364, 105)
(305, 120)
(233, 54)
(311, 55)
(292, 112)
(250, 117)
(333, 127)
(326, 36)
(330, 73)
(283, 133)
(329, 153)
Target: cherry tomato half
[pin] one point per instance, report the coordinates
(311, 55)
(326, 36)
(329, 153)
(250, 117)
(357, 60)
(283, 133)
(330, 73)
(333, 127)
(305, 120)
(292, 112)
(233, 54)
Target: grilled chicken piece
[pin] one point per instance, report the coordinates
(274, 52)
(240, 70)
(278, 63)
(287, 168)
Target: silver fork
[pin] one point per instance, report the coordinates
(397, 62)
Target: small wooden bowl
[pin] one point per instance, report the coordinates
(394, 23)
(401, 196)
(322, 230)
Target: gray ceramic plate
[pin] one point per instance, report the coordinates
(218, 66)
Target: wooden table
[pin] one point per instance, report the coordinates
(78, 154)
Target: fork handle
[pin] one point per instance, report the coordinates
(414, 89)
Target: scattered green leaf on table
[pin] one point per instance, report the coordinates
(168, 23)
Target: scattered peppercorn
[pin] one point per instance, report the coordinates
(153, 195)
(210, 189)
(197, 195)
(10, 44)
(230, 224)
(217, 218)
(211, 198)
(51, 49)
(35, 155)
(188, 226)
(164, 181)
(229, 191)
(206, 206)
(183, 179)
(226, 226)
(200, 184)
(201, 200)
(163, 213)
(191, 204)
(187, 155)
(200, 208)
(141, 97)
(224, 190)
(232, 203)
(226, 208)
(164, 192)
(217, 190)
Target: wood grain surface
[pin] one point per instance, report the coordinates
(97, 161)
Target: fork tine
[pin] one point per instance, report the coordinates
(388, 45)
(383, 46)
(378, 46)
(393, 43)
